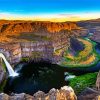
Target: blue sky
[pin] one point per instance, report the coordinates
(46, 7)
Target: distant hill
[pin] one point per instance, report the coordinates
(89, 23)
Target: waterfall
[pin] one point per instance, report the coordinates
(9, 68)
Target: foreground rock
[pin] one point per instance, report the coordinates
(89, 94)
(65, 93)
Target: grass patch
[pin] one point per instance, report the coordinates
(3, 82)
(79, 83)
(25, 59)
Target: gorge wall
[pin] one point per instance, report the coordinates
(46, 40)
(14, 52)
(29, 26)
(28, 31)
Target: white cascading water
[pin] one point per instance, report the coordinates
(9, 68)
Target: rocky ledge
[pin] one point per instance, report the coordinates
(65, 93)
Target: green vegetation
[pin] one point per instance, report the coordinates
(2, 85)
(34, 55)
(27, 37)
(4, 82)
(84, 58)
(25, 59)
(79, 83)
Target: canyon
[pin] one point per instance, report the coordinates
(93, 27)
(27, 40)
(20, 39)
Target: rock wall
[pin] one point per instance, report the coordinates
(38, 50)
(36, 26)
(11, 31)
(14, 52)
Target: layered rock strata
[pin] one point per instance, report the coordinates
(14, 52)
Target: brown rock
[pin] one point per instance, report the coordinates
(39, 95)
(98, 97)
(17, 30)
(98, 81)
(4, 96)
(28, 97)
(65, 93)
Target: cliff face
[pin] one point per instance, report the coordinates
(14, 52)
(28, 26)
(93, 26)
(28, 31)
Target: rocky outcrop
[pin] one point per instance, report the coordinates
(65, 93)
(98, 81)
(93, 26)
(89, 94)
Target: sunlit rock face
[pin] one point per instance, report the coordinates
(65, 93)
(11, 31)
(29, 26)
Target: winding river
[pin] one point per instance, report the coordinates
(84, 70)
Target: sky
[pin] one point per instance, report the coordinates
(50, 10)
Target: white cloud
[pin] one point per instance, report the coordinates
(50, 17)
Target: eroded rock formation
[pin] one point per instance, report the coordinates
(45, 50)
(29, 26)
(28, 30)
